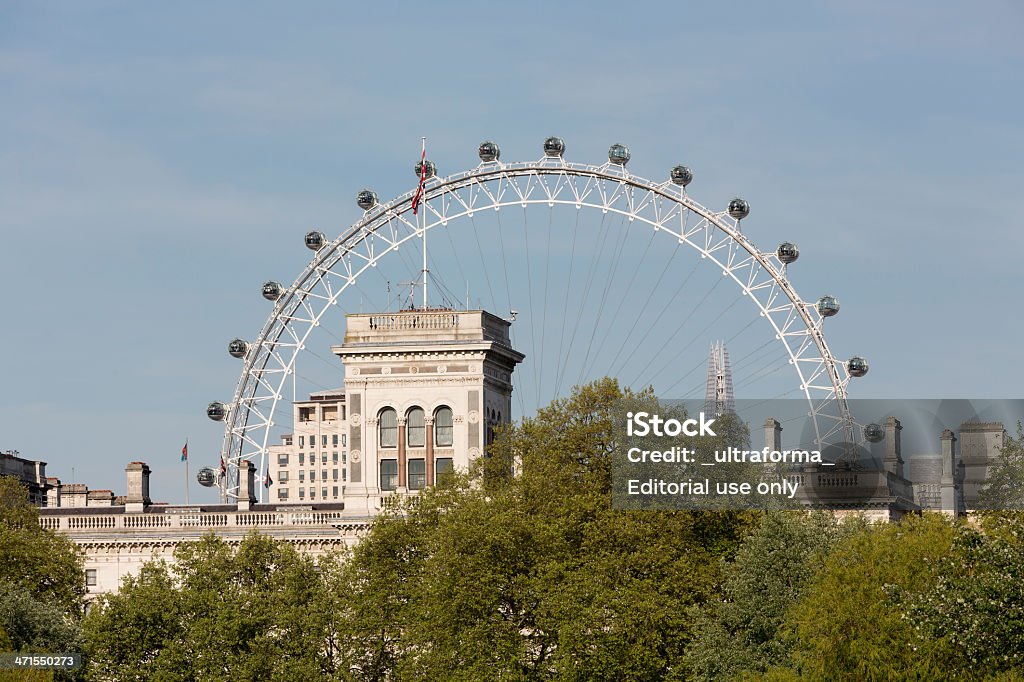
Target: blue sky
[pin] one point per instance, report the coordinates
(158, 162)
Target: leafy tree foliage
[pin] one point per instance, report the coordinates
(217, 613)
(536, 576)
(40, 561)
(771, 571)
(1004, 483)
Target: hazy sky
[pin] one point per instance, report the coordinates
(158, 161)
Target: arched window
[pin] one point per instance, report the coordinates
(415, 430)
(388, 428)
(443, 427)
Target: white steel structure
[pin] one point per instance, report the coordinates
(605, 189)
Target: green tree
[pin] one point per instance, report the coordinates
(1004, 484)
(258, 612)
(42, 562)
(772, 569)
(847, 626)
(536, 576)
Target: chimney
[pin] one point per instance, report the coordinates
(893, 451)
(948, 482)
(137, 498)
(246, 484)
(772, 434)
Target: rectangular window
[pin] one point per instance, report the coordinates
(302, 441)
(443, 428)
(344, 457)
(416, 431)
(302, 491)
(335, 491)
(344, 440)
(287, 440)
(334, 458)
(282, 460)
(323, 440)
(282, 493)
(302, 458)
(302, 477)
(323, 475)
(334, 440)
(90, 577)
(388, 474)
(417, 474)
(334, 474)
(323, 493)
(442, 465)
(323, 458)
(282, 476)
(312, 474)
(312, 493)
(306, 414)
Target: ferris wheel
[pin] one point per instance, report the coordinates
(610, 211)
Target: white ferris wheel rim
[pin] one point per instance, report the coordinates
(270, 359)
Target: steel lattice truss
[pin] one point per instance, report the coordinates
(270, 359)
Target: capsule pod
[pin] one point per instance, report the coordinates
(739, 208)
(618, 154)
(788, 252)
(874, 433)
(489, 151)
(237, 348)
(857, 366)
(554, 147)
(315, 240)
(681, 175)
(216, 411)
(206, 477)
(367, 198)
(828, 306)
(272, 290)
(431, 169)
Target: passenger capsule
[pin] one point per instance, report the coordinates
(367, 198)
(681, 175)
(431, 169)
(315, 240)
(739, 208)
(554, 147)
(828, 306)
(216, 411)
(237, 348)
(271, 290)
(787, 252)
(857, 366)
(206, 477)
(489, 151)
(618, 154)
(873, 433)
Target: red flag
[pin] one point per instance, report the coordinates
(184, 452)
(423, 179)
(223, 466)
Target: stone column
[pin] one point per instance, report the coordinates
(428, 462)
(948, 482)
(246, 485)
(893, 453)
(401, 452)
(772, 434)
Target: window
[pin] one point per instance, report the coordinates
(282, 476)
(302, 459)
(334, 458)
(282, 460)
(323, 458)
(335, 491)
(344, 440)
(334, 440)
(90, 577)
(323, 493)
(417, 474)
(388, 427)
(306, 414)
(344, 474)
(286, 440)
(443, 427)
(415, 432)
(302, 491)
(312, 493)
(388, 474)
(323, 475)
(334, 474)
(442, 465)
(302, 477)
(312, 474)
(344, 458)
(302, 441)
(282, 493)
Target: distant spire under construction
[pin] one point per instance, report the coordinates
(718, 398)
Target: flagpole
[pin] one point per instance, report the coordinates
(186, 471)
(423, 225)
